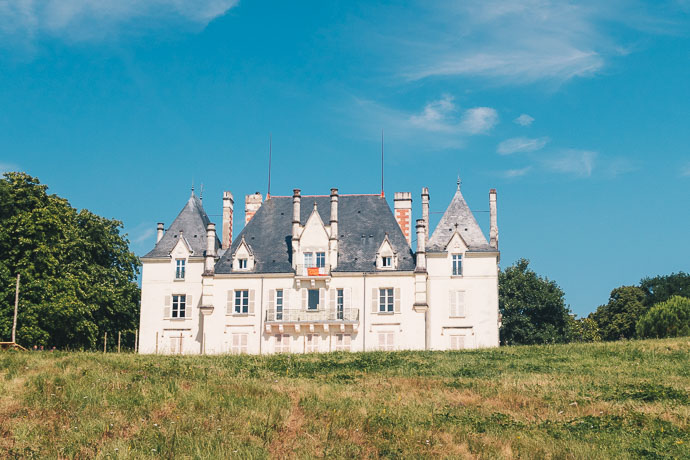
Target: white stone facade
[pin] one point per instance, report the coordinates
(435, 304)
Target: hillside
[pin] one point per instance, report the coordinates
(614, 400)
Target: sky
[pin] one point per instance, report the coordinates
(578, 113)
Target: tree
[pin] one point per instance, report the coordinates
(78, 275)
(617, 319)
(661, 288)
(533, 308)
(583, 330)
(666, 319)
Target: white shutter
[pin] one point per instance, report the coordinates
(304, 298)
(453, 304)
(272, 301)
(461, 303)
(188, 307)
(331, 298)
(396, 299)
(322, 298)
(347, 298)
(374, 300)
(166, 307)
(453, 342)
(251, 301)
(461, 342)
(382, 340)
(243, 343)
(229, 305)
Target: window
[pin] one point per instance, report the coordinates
(242, 264)
(342, 342)
(179, 305)
(457, 304)
(282, 343)
(279, 305)
(386, 300)
(239, 343)
(309, 259)
(457, 342)
(311, 343)
(242, 301)
(457, 264)
(179, 268)
(320, 259)
(313, 299)
(340, 304)
(387, 341)
(176, 344)
(387, 262)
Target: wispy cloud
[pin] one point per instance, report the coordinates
(524, 120)
(479, 120)
(521, 41)
(511, 173)
(144, 235)
(88, 19)
(521, 144)
(571, 161)
(685, 170)
(435, 115)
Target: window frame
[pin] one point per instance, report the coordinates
(310, 257)
(309, 299)
(386, 295)
(456, 267)
(320, 259)
(180, 268)
(243, 263)
(340, 344)
(312, 343)
(241, 302)
(340, 303)
(279, 304)
(239, 348)
(284, 345)
(386, 261)
(179, 305)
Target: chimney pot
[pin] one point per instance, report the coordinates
(161, 231)
(252, 203)
(425, 211)
(210, 258)
(421, 246)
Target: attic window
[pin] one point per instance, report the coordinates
(387, 262)
(242, 264)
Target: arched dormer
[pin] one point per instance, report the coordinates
(243, 258)
(386, 258)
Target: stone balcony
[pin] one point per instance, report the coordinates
(310, 319)
(311, 274)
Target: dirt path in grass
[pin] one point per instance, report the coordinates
(283, 446)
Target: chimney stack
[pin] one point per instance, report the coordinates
(210, 257)
(402, 205)
(252, 203)
(493, 232)
(334, 213)
(226, 237)
(161, 231)
(296, 198)
(421, 246)
(425, 211)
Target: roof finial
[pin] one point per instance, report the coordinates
(192, 187)
(201, 193)
(459, 181)
(314, 204)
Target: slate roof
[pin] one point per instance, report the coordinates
(192, 222)
(363, 221)
(458, 213)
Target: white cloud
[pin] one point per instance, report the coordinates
(478, 120)
(510, 173)
(87, 19)
(521, 144)
(435, 115)
(524, 120)
(144, 234)
(571, 161)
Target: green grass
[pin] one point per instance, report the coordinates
(616, 400)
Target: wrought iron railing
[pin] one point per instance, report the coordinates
(307, 316)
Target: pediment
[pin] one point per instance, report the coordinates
(182, 248)
(456, 243)
(314, 234)
(386, 248)
(243, 250)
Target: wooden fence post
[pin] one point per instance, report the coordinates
(118, 341)
(105, 340)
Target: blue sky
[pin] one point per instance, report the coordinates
(578, 113)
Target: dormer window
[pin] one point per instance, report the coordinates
(309, 259)
(179, 268)
(320, 259)
(386, 258)
(243, 258)
(242, 264)
(457, 264)
(387, 262)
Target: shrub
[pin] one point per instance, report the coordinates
(666, 319)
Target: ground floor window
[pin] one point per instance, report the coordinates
(239, 343)
(176, 344)
(457, 342)
(311, 343)
(342, 342)
(387, 341)
(282, 343)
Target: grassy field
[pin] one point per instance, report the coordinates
(617, 400)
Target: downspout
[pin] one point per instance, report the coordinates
(261, 314)
(364, 314)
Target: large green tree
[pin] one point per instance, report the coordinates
(533, 308)
(78, 277)
(617, 318)
(661, 288)
(666, 319)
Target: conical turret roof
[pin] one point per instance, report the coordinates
(458, 217)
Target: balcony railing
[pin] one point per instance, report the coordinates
(312, 316)
(305, 270)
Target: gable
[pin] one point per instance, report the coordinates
(314, 236)
(456, 243)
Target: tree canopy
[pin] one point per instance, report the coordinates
(533, 308)
(661, 288)
(617, 318)
(666, 319)
(78, 277)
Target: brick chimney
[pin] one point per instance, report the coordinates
(425, 211)
(226, 236)
(252, 203)
(161, 231)
(493, 232)
(402, 206)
